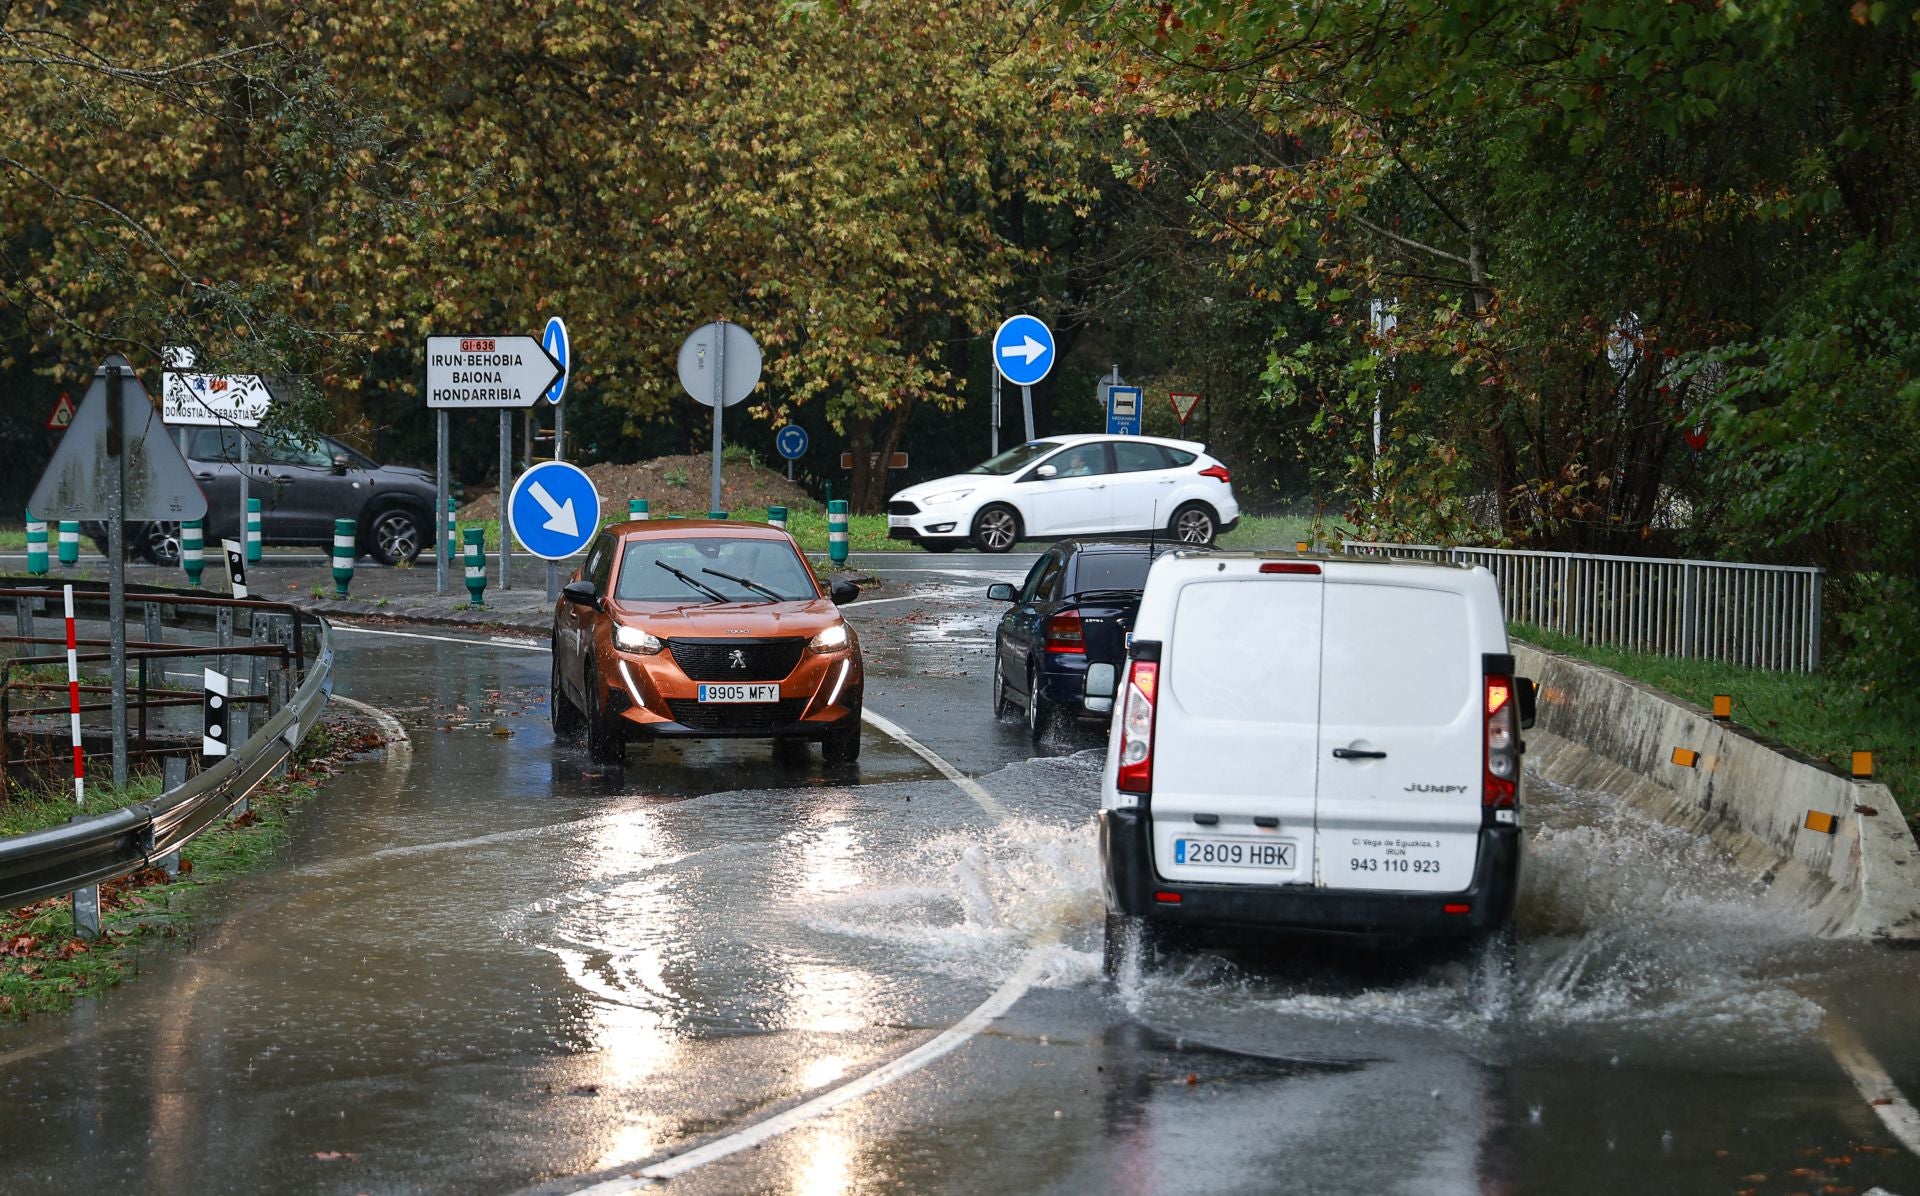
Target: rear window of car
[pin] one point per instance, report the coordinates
(1180, 456)
(1134, 457)
(772, 563)
(1111, 571)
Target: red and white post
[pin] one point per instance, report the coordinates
(73, 706)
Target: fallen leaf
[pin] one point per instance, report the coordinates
(585, 1090)
(1802, 1173)
(1881, 1100)
(1758, 1177)
(1840, 1160)
(1193, 1077)
(336, 1156)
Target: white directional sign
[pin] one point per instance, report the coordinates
(232, 400)
(474, 373)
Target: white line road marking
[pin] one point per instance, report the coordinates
(494, 641)
(878, 601)
(1888, 1102)
(967, 784)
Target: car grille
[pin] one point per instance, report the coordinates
(758, 660)
(736, 716)
(902, 508)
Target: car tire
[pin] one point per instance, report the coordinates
(606, 740)
(561, 711)
(1001, 703)
(394, 535)
(1039, 710)
(1194, 523)
(790, 752)
(996, 528)
(155, 543)
(841, 747)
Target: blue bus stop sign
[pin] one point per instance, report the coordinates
(1023, 350)
(553, 510)
(791, 442)
(554, 340)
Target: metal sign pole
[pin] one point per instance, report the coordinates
(553, 567)
(244, 458)
(719, 405)
(996, 414)
(506, 483)
(1026, 401)
(117, 571)
(440, 502)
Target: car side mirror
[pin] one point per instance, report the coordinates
(1000, 591)
(1529, 695)
(581, 593)
(340, 464)
(1045, 472)
(841, 591)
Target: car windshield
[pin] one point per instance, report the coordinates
(770, 563)
(1111, 571)
(1016, 458)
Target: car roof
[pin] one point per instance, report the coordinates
(661, 529)
(1192, 446)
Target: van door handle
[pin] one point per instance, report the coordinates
(1357, 754)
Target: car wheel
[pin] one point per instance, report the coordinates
(394, 536)
(789, 751)
(1039, 710)
(606, 741)
(1000, 700)
(996, 528)
(561, 711)
(842, 747)
(1194, 524)
(156, 543)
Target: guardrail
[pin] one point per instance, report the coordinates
(1763, 616)
(62, 859)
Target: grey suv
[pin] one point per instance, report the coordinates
(303, 485)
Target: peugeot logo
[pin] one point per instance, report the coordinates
(738, 659)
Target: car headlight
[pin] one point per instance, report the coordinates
(632, 639)
(945, 496)
(832, 639)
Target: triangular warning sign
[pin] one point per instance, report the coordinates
(1183, 405)
(62, 413)
(153, 477)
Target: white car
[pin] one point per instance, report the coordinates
(1315, 743)
(1071, 486)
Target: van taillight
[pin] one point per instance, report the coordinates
(1502, 756)
(1290, 567)
(1065, 633)
(1219, 472)
(1136, 728)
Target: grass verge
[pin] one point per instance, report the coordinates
(1821, 714)
(44, 968)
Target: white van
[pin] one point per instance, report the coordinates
(1318, 743)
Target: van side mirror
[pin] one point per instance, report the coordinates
(581, 593)
(1102, 680)
(842, 591)
(1000, 591)
(1529, 695)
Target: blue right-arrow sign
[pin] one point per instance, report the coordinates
(1023, 350)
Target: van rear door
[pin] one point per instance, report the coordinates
(1401, 733)
(1236, 740)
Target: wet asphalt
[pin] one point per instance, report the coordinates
(487, 964)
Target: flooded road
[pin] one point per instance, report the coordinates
(489, 964)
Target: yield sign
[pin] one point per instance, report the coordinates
(1183, 406)
(62, 413)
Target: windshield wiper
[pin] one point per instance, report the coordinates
(751, 585)
(695, 582)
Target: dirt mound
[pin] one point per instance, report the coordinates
(673, 485)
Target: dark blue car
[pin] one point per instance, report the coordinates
(1059, 649)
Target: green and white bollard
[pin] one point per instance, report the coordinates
(777, 516)
(343, 553)
(716, 514)
(637, 510)
(476, 563)
(36, 546)
(837, 532)
(253, 531)
(69, 543)
(450, 535)
(193, 548)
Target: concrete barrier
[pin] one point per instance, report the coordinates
(1599, 730)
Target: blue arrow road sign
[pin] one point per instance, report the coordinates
(1123, 410)
(554, 340)
(1023, 350)
(791, 442)
(553, 510)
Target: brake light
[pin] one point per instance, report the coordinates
(1217, 471)
(1289, 567)
(1136, 728)
(1502, 756)
(1066, 633)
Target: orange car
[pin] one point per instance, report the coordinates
(704, 629)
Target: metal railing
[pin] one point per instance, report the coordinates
(1762, 616)
(61, 859)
